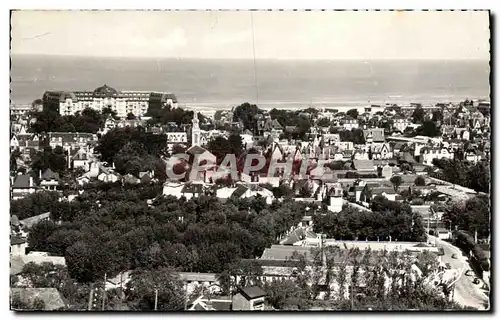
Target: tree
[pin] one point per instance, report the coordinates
(353, 113)
(370, 153)
(38, 304)
(356, 136)
(247, 113)
(131, 116)
(34, 204)
(236, 144)
(282, 191)
(286, 295)
(437, 116)
(54, 159)
(428, 128)
(220, 147)
(305, 192)
(323, 122)
(141, 290)
(38, 235)
(178, 149)
(108, 111)
(471, 216)
(17, 303)
(396, 182)
(420, 181)
(418, 114)
(14, 155)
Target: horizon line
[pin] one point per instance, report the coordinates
(249, 58)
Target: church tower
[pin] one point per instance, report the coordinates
(195, 131)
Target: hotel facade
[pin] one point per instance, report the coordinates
(122, 102)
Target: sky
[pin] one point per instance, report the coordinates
(277, 35)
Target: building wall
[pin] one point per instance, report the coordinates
(335, 204)
(351, 125)
(81, 164)
(401, 125)
(428, 157)
(126, 102)
(241, 303)
(18, 249)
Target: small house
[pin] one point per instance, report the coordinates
(249, 299)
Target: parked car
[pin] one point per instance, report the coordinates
(454, 256)
(469, 272)
(475, 281)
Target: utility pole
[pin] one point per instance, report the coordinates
(91, 295)
(352, 297)
(104, 292)
(121, 289)
(156, 299)
(185, 296)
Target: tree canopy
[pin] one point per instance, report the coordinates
(475, 176)
(418, 114)
(389, 220)
(111, 229)
(353, 113)
(48, 120)
(248, 114)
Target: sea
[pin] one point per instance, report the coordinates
(290, 84)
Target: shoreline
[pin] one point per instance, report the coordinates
(340, 104)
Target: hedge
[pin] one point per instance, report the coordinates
(466, 242)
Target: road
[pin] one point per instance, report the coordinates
(466, 292)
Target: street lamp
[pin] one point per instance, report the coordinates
(156, 298)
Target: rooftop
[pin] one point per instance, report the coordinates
(22, 182)
(252, 292)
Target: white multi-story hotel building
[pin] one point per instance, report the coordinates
(122, 102)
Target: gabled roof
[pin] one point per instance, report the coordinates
(296, 236)
(276, 124)
(397, 145)
(240, 190)
(278, 146)
(28, 222)
(363, 164)
(197, 276)
(79, 154)
(69, 137)
(196, 150)
(377, 134)
(252, 292)
(144, 173)
(15, 240)
(22, 182)
(282, 252)
(49, 175)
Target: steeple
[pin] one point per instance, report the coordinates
(196, 122)
(195, 131)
